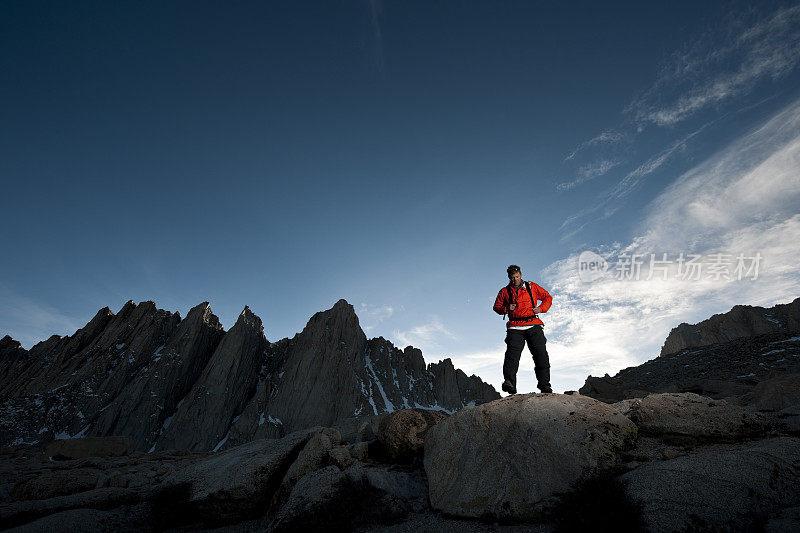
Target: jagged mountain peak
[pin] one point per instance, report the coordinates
(341, 308)
(201, 313)
(342, 305)
(189, 384)
(127, 307)
(104, 312)
(445, 363)
(145, 310)
(9, 343)
(248, 320)
(99, 319)
(341, 319)
(146, 307)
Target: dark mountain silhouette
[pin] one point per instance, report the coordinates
(188, 384)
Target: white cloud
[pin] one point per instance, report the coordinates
(606, 137)
(425, 337)
(370, 315)
(377, 312)
(589, 172)
(633, 178)
(766, 49)
(742, 200)
(727, 61)
(611, 201)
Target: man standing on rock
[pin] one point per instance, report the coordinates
(518, 300)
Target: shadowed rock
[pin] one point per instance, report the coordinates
(146, 406)
(233, 484)
(331, 375)
(721, 490)
(222, 390)
(402, 433)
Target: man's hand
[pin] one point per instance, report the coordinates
(536, 310)
(511, 307)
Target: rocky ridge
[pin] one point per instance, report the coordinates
(172, 383)
(732, 369)
(740, 322)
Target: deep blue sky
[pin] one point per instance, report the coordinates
(399, 155)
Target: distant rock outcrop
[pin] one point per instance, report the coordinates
(187, 384)
(741, 321)
(727, 369)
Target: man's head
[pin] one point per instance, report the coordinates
(514, 275)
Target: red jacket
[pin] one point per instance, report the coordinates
(524, 305)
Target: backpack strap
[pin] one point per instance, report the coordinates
(510, 297)
(528, 286)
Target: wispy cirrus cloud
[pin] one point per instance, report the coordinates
(370, 315)
(723, 64)
(612, 200)
(742, 200)
(726, 62)
(426, 336)
(634, 177)
(606, 137)
(589, 172)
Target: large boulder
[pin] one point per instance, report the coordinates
(314, 456)
(329, 499)
(235, 484)
(690, 415)
(404, 491)
(402, 433)
(315, 499)
(718, 490)
(507, 459)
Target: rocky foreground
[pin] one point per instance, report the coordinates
(533, 462)
(706, 438)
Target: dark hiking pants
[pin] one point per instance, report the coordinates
(515, 342)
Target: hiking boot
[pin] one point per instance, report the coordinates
(546, 389)
(508, 387)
